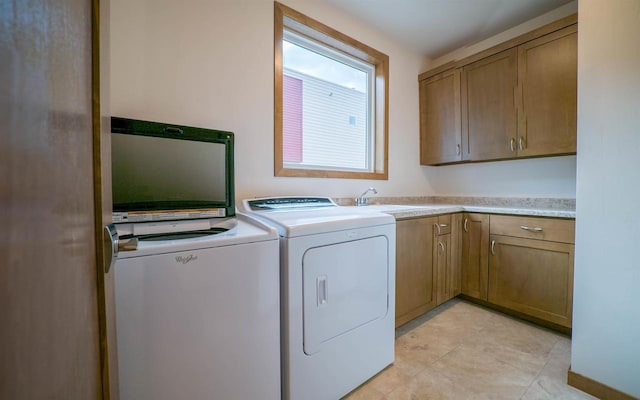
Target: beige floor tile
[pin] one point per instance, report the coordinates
(464, 351)
(430, 384)
(551, 383)
(365, 392)
(549, 388)
(484, 374)
(519, 335)
(389, 380)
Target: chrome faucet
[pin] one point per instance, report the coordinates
(364, 201)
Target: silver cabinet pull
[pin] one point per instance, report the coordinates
(458, 149)
(526, 228)
(444, 225)
(437, 229)
(521, 143)
(493, 247)
(466, 220)
(512, 144)
(441, 246)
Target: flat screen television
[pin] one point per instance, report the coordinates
(164, 172)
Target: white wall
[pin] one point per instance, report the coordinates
(542, 177)
(606, 316)
(209, 63)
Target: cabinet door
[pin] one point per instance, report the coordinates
(475, 259)
(547, 69)
(534, 277)
(488, 107)
(442, 257)
(440, 127)
(455, 279)
(415, 273)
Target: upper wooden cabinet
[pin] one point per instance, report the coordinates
(516, 99)
(440, 127)
(488, 107)
(547, 70)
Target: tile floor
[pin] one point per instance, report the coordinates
(464, 351)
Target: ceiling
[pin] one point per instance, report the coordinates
(436, 27)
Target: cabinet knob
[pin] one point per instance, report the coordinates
(466, 220)
(521, 143)
(512, 144)
(458, 149)
(437, 228)
(441, 246)
(493, 247)
(526, 228)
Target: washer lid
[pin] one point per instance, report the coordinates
(292, 221)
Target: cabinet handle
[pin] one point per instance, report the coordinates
(458, 149)
(493, 249)
(444, 225)
(441, 246)
(466, 220)
(512, 144)
(526, 228)
(521, 143)
(437, 228)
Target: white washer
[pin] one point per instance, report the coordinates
(199, 318)
(338, 293)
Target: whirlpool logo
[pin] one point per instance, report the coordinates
(186, 259)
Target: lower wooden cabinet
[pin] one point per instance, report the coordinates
(446, 257)
(427, 264)
(524, 264)
(534, 277)
(475, 259)
(415, 272)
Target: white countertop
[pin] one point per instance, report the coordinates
(401, 211)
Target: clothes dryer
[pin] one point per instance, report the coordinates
(337, 293)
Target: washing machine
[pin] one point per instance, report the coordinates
(198, 318)
(337, 293)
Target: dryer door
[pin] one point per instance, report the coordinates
(345, 285)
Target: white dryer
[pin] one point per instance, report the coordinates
(337, 293)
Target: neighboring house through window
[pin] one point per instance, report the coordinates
(330, 102)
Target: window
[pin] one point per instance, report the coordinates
(330, 102)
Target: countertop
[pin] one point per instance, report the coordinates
(402, 211)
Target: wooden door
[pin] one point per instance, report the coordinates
(488, 107)
(50, 302)
(547, 69)
(442, 260)
(440, 126)
(534, 277)
(475, 255)
(455, 278)
(415, 272)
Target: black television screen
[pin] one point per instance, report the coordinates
(168, 172)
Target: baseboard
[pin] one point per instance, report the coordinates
(596, 388)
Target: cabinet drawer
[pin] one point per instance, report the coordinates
(444, 225)
(554, 230)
